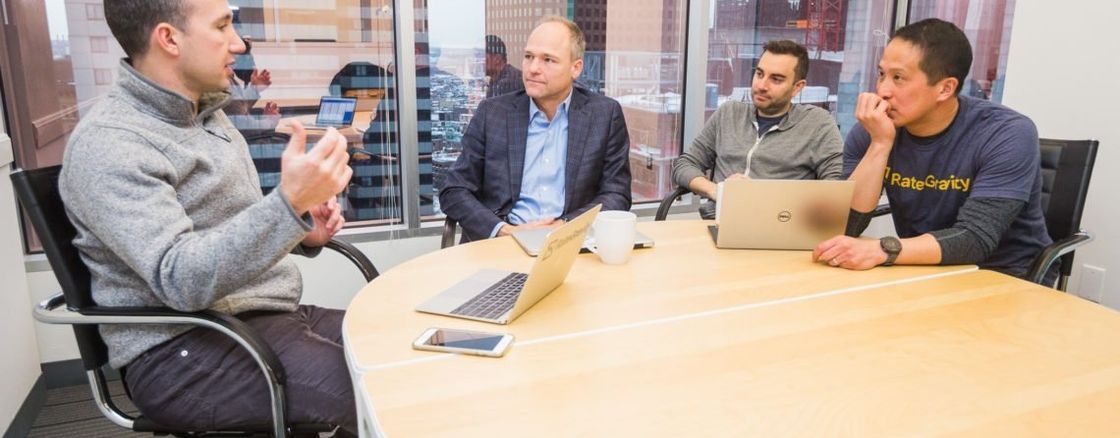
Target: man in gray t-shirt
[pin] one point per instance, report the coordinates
(768, 138)
(962, 174)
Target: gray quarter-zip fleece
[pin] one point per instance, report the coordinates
(169, 212)
(805, 145)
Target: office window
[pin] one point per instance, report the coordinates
(103, 76)
(634, 55)
(94, 11)
(845, 39)
(70, 60)
(987, 23)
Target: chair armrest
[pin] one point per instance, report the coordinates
(663, 208)
(50, 311)
(356, 257)
(448, 239)
(881, 210)
(1054, 251)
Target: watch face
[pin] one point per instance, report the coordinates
(891, 245)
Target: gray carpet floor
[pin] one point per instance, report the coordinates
(71, 412)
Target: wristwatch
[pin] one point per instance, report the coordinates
(892, 246)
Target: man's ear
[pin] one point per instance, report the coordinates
(798, 86)
(166, 39)
(947, 88)
(577, 68)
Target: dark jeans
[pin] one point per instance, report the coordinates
(204, 380)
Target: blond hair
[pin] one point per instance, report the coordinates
(579, 43)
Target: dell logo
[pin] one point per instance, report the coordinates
(784, 216)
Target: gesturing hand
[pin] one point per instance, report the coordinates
(261, 79)
(309, 178)
(328, 221)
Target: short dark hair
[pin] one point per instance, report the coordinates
(788, 47)
(132, 21)
(946, 51)
(495, 46)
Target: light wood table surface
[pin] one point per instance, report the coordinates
(687, 340)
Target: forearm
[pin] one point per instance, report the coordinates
(978, 230)
(868, 176)
(703, 186)
(920, 250)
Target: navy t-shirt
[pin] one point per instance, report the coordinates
(989, 151)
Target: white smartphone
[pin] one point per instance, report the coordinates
(464, 342)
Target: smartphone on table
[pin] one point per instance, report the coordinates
(464, 342)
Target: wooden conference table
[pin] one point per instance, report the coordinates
(688, 340)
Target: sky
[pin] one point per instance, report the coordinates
(456, 23)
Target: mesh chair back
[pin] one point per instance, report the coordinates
(37, 191)
(1067, 166)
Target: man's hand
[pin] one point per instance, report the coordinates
(260, 79)
(508, 229)
(328, 220)
(850, 253)
(310, 178)
(271, 109)
(871, 111)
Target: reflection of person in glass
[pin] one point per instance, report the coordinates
(375, 159)
(538, 157)
(169, 212)
(769, 137)
(246, 85)
(962, 174)
(504, 78)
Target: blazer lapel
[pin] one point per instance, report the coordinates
(518, 138)
(579, 121)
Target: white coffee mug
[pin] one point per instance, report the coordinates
(614, 236)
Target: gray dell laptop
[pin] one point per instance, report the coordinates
(533, 240)
(500, 296)
(780, 214)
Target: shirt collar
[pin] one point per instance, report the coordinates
(563, 108)
(166, 104)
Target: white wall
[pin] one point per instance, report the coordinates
(20, 368)
(1063, 71)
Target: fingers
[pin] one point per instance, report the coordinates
(825, 246)
(298, 143)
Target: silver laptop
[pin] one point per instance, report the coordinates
(501, 296)
(780, 214)
(533, 240)
(335, 112)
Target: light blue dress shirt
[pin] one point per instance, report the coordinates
(542, 178)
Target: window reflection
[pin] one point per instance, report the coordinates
(844, 38)
(634, 54)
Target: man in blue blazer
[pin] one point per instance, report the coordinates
(541, 156)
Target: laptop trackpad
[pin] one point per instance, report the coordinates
(463, 291)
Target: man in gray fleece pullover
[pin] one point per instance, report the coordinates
(169, 212)
(770, 138)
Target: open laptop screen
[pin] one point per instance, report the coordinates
(336, 111)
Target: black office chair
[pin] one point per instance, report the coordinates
(666, 203)
(448, 239)
(37, 191)
(1067, 166)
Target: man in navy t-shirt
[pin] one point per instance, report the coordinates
(962, 175)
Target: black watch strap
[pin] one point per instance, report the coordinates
(892, 246)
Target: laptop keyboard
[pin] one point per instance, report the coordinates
(495, 300)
